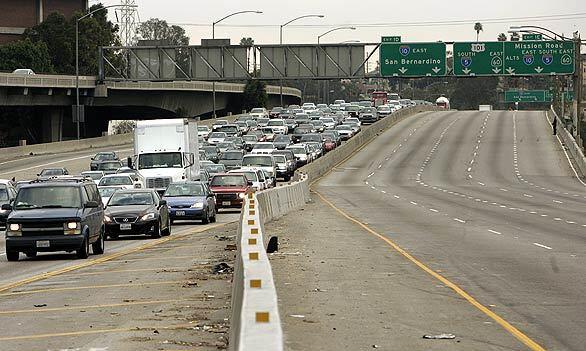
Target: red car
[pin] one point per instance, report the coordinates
(230, 189)
(329, 144)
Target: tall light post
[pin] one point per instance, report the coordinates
(326, 33)
(333, 30)
(214, 37)
(281, 41)
(77, 107)
(228, 16)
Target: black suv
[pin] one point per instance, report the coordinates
(58, 214)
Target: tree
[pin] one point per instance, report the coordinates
(255, 95)
(471, 92)
(478, 28)
(25, 54)
(246, 42)
(157, 29)
(58, 33)
(502, 37)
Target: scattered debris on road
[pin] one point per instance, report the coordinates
(439, 336)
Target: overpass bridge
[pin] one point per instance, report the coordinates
(53, 96)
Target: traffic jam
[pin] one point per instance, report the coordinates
(180, 171)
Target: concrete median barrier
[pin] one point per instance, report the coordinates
(570, 144)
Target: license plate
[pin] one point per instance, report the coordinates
(126, 226)
(226, 203)
(43, 243)
(180, 213)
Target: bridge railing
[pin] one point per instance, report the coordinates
(45, 81)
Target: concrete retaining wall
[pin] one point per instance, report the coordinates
(570, 144)
(11, 153)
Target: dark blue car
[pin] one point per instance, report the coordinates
(191, 200)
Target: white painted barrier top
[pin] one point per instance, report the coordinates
(260, 324)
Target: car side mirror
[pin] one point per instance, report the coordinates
(249, 183)
(7, 207)
(129, 162)
(93, 158)
(162, 202)
(91, 204)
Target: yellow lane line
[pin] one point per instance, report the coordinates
(107, 258)
(94, 331)
(68, 308)
(73, 288)
(124, 260)
(506, 325)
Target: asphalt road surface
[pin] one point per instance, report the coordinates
(487, 201)
(142, 294)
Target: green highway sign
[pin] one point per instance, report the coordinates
(528, 96)
(395, 39)
(478, 59)
(534, 36)
(412, 59)
(539, 57)
(514, 58)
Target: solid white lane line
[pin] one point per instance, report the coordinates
(459, 220)
(543, 246)
(495, 232)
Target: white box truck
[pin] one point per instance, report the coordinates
(166, 151)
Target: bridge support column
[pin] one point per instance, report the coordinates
(53, 125)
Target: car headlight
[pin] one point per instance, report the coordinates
(3, 211)
(147, 217)
(14, 229)
(72, 228)
(198, 205)
(107, 219)
(241, 195)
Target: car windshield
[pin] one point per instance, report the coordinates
(94, 176)
(226, 145)
(311, 137)
(186, 189)
(344, 127)
(104, 157)
(282, 138)
(217, 135)
(250, 138)
(52, 172)
(118, 180)
(107, 192)
(264, 146)
(256, 110)
(276, 123)
(160, 160)
(3, 193)
(297, 150)
(257, 161)
(228, 180)
(229, 129)
(48, 197)
(215, 168)
(251, 176)
(109, 166)
(280, 158)
(202, 129)
(232, 155)
(130, 199)
(353, 108)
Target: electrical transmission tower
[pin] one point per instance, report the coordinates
(129, 22)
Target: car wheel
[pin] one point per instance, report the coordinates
(31, 254)
(287, 177)
(12, 255)
(98, 246)
(167, 231)
(84, 251)
(157, 233)
(206, 218)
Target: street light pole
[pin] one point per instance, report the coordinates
(281, 42)
(214, 37)
(77, 107)
(318, 39)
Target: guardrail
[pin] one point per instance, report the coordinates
(570, 144)
(254, 309)
(89, 82)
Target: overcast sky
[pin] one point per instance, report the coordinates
(196, 17)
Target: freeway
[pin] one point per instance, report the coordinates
(485, 203)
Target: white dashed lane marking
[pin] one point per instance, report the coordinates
(543, 246)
